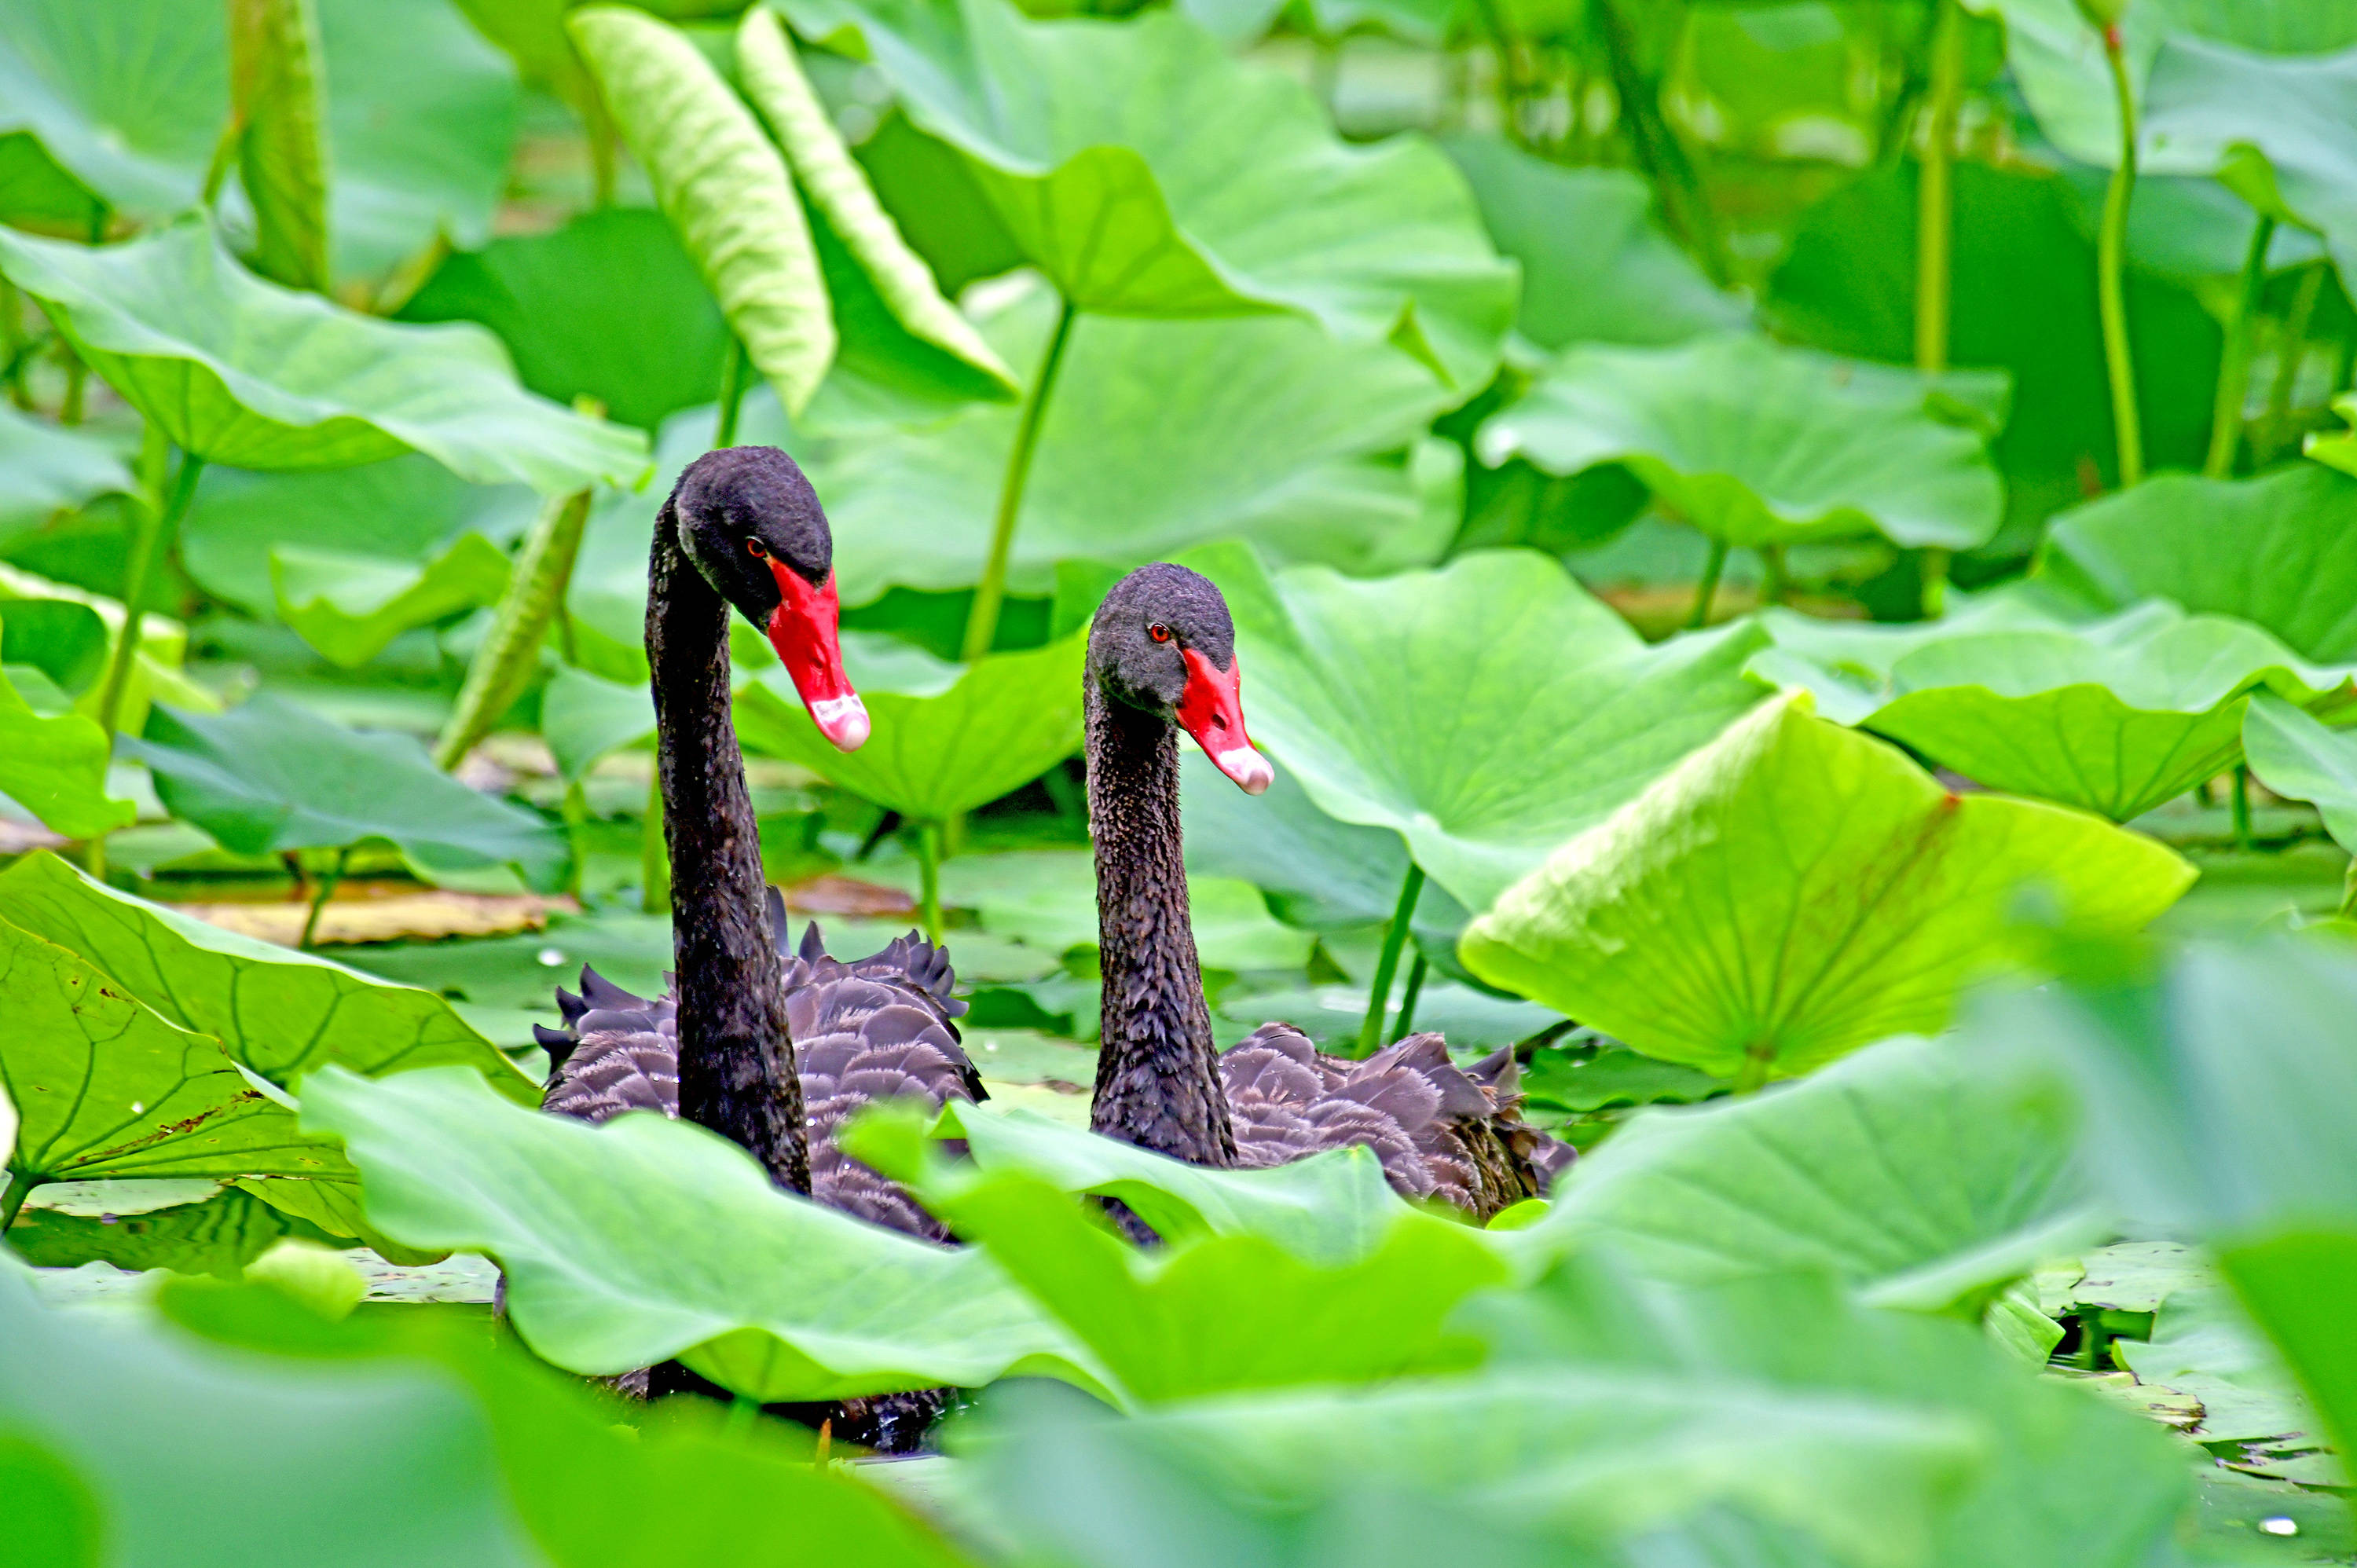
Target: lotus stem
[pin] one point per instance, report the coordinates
(2234, 362)
(654, 856)
(1707, 590)
(70, 411)
(1654, 144)
(1935, 192)
(2289, 354)
(1774, 581)
(1754, 1075)
(2242, 806)
(327, 890)
(2348, 910)
(13, 344)
(732, 393)
(1379, 996)
(510, 655)
(2111, 260)
(982, 622)
(20, 1187)
(1934, 568)
(1416, 971)
(155, 536)
(929, 874)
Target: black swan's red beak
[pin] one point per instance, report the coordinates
(803, 629)
(1211, 711)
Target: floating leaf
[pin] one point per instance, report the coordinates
(274, 98)
(646, 1238)
(46, 469)
(104, 1086)
(2114, 718)
(724, 188)
(1147, 173)
(56, 768)
(351, 607)
(1755, 443)
(242, 373)
(939, 750)
(279, 1013)
(217, 1235)
(269, 776)
(1795, 890)
(1596, 268)
(846, 202)
(1485, 712)
(2280, 552)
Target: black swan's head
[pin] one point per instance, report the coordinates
(753, 526)
(1163, 642)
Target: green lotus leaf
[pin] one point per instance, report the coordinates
(941, 748)
(583, 718)
(1147, 173)
(68, 634)
(55, 768)
(1596, 267)
(2338, 447)
(242, 373)
(846, 203)
(2114, 718)
(1161, 434)
(2299, 759)
(1844, 1175)
(419, 116)
(278, 1013)
(275, 90)
(46, 469)
(350, 606)
(1795, 890)
(647, 1239)
(2204, 1344)
(1755, 443)
(608, 306)
(1485, 712)
(722, 186)
(269, 776)
(407, 510)
(103, 1086)
(219, 1235)
(2280, 552)
(395, 1435)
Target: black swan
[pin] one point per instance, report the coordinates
(1162, 657)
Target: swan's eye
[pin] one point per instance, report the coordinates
(754, 547)
(1159, 632)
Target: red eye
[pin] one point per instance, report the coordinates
(1159, 632)
(753, 547)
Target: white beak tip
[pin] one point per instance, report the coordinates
(842, 720)
(1248, 768)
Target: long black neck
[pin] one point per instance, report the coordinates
(1158, 1073)
(736, 1060)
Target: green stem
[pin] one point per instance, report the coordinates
(1416, 972)
(2242, 798)
(1934, 571)
(575, 811)
(2290, 353)
(154, 537)
(2234, 363)
(224, 155)
(732, 393)
(1935, 192)
(1774, 582)
(654, 856)
(743, 1412)
(20, 1187)
(327, 890)
(982, 623)
(929, 874)
(1707, 590)
(70, 412)
(1654, 144)
(1379, 997)
(1752, 1076)
(2348, 910)
(2110, 263)
(13, 345)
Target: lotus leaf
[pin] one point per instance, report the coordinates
(45, 469)
(54, 621)
(722, 186)
(1596, 268)
(2113, 717)
(647, 1239)
(846, 205)
(608, 306)
(1147, 173)
(1795, 890)
(583, 718)
(269, 776)
(420, 115)
(1485, 712)
(56, 768)
(1755, 443)
(1849, 1173)
(2204, 1345)
(935, 751)
(279, 1013)
(106, 1087)
(2299, 759)
(350, 606)
(241, 372)
(219, 1235)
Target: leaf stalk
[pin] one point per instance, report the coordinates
(1707, 590)
(157, 525)
(2234, 363)
(2111, 260)
(1379, 996)
(990, 594)
(1935, 192)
